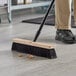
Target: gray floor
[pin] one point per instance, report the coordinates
(13, 65)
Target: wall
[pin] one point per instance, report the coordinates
(2, 2)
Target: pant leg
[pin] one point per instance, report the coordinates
(75, 10)
(62, 14)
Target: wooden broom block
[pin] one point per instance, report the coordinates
(37, 44)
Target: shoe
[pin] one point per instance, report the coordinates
(65, 36)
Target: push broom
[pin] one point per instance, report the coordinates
(33, 47)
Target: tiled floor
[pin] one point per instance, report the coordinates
(13, 65)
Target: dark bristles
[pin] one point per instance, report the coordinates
(38, 51)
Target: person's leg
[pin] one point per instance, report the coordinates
(75, 11)
(62, 14)
(63, 21)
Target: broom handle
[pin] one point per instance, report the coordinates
(40, 28)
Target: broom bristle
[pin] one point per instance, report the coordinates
(34, 48)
